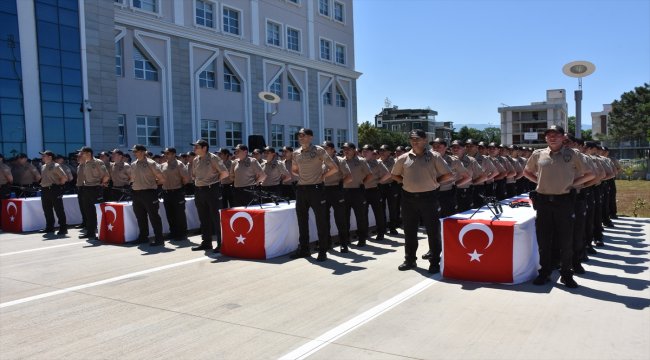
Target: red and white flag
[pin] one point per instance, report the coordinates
(12, 215)
(243, 233)
(111, 226)
(478, 250)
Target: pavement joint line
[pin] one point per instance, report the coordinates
(337, 332)
(100, 282)
(42, 248)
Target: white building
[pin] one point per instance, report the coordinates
(600, 121)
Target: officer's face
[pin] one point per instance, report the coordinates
(368, 154)
(458, 150)
(200, 150)
(169, 156)
(349, 152)
(304, 139)
(139, 154)
(439, 148)
(493, 151)
(241, 154)
(471, 149)
(554, 139)
(46, 159)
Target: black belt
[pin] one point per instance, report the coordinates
(464, 189)
(51, 187)
(143, 190)
(167, 191)
(555, 198)
(311, 186)
(416, 195)
(207, 186)
(91, 186)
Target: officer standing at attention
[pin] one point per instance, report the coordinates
(353, 190)
(556, 170)
(146, 175)
(120, 175)
(93, 177)
(59, 159)
(334, 198)
(25, 174)
(52, 180)
(465, 193)
(207, 171)
(173, 193)
(247, 174)
(389, 190)
(511, 182)
(373, 196)
(5, 181)
(226, 183)
(288, 185)
(447, 191)
(421, 172)
(480, 189)
(274, 170)
(308, 161)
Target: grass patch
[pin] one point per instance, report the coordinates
(629, 192)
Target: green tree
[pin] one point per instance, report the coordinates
(492, 134)
(584, 134)
(368, 134)
(630, 116)
(470, 133)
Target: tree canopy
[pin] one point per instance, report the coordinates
(630, 116)
(368, 134)
(584, 134)
(489, 134)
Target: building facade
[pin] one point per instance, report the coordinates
(166, 72)
(600, 121)
(404, 120)
(525, 125)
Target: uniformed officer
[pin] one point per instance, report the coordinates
(465, 193)
(257, 155)
(511, 181)
(334, 198)
(53, 178)
(67, 187)
(389, 190)
(556, 170)
(246, 174)
(308, 162)
(373, 195)
(25, 175)
(590, 198)
(421, 172)
(606, 172)
(274, 170)
(120, 173)
(145, 176)
(190, 187)
(93, 177)
(226, 183)
(6, 179)
(288, 185)
(612, 185)
(505, 171)
(207, 171)
(173, 192)
(606, 187)
(354, 191)
(489, 170)
(79, 182)
(399, 151)
(447, 191)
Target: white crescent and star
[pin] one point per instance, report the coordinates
(475, 256)
(11, 204)
(111, 210)
(247, 217)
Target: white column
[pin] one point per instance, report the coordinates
(310, 30)
(255, 22)
(84, 69)
(179, 12)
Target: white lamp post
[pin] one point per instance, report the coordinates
(578, 69)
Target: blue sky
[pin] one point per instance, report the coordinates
(463, 58)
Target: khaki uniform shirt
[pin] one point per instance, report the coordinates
(497, 164)
(274, 171)
(120, 173)
(473, 168)
(378, 171)
(245, 172)
(92, 172)
(310, 164)
(335, 179)
(5, 173)
(359, 169)
(555, 171)
(68, 171)
(287, 165)
(52, 174)
(598, 167)
(389, 163)
(206, 169)
(144, 174)
(80, 175)
(456, 167)
(487, 165)
(420, 173)
(587, 164)
(175, 173)
(25, 174)
(516, 167)
(228, 165)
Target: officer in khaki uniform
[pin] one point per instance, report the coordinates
(500, 191)
(6, 178)
(120, 176)
(226, 183)
(421, 172)
(511, 181)
(308, 162)
(447, 190)
(465, 193)
(173, 193)
(489, 170)
(389, 190)
(373, 196)
(53, 178)
(145, 176)
(556, 169)
(93, 177)
(274, 170)
(246, 174)
(353, 191)
(334, 198)
(590, 197)
(207, 172)
(25, 175)
(289, 185)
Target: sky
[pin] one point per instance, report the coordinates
(466, 58)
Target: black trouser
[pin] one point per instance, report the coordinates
(289, 191)
(598, 213)
(554, 224)
(448, 204)
(356, 200)
(580, 210)
(423, 207)
(489, 190)
(464, 198)
(174, 202)
(612, 198)
(5, 193)
(190, 189)
(373, 200)
(146, 205)
(590, 204)
(242, 197)
(311, 196)
(227, 196)
(80, 190)
(118, 193)
(389, 197)
(90, 196)
(208, 202)
(52, 201)
(500, 191)
(334, 200)
(511, 189)
(521, 185)
(604, 190)
(479, 192)
(398, 190)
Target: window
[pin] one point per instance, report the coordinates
(324, 7)
(206, 77)
(395, 127)
(293, 136)
(339, 11)
(233, 133)
(148, 5)
(295, 1)
(293, 39)
(148, 129)
(293, 92)
(340, 99)
(325, 49)
(121, 129)
(327, 96)
(119, 67)
(230, 21)
(209, 131)
(329, 134)
(143, 68)
(342, 137)
(272, 33)
(340, 54)
(230, 80)
(276, 87)
(204, 13)
(277, 135)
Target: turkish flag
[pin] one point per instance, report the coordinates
(111, 226)
(243, 233)
(12, 215)
(478, 250)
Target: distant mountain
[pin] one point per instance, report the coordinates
(458, 126)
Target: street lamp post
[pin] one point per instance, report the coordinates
(269, 98)
(578, 69)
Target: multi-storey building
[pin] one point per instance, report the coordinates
(404, 120)
(166, 72)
